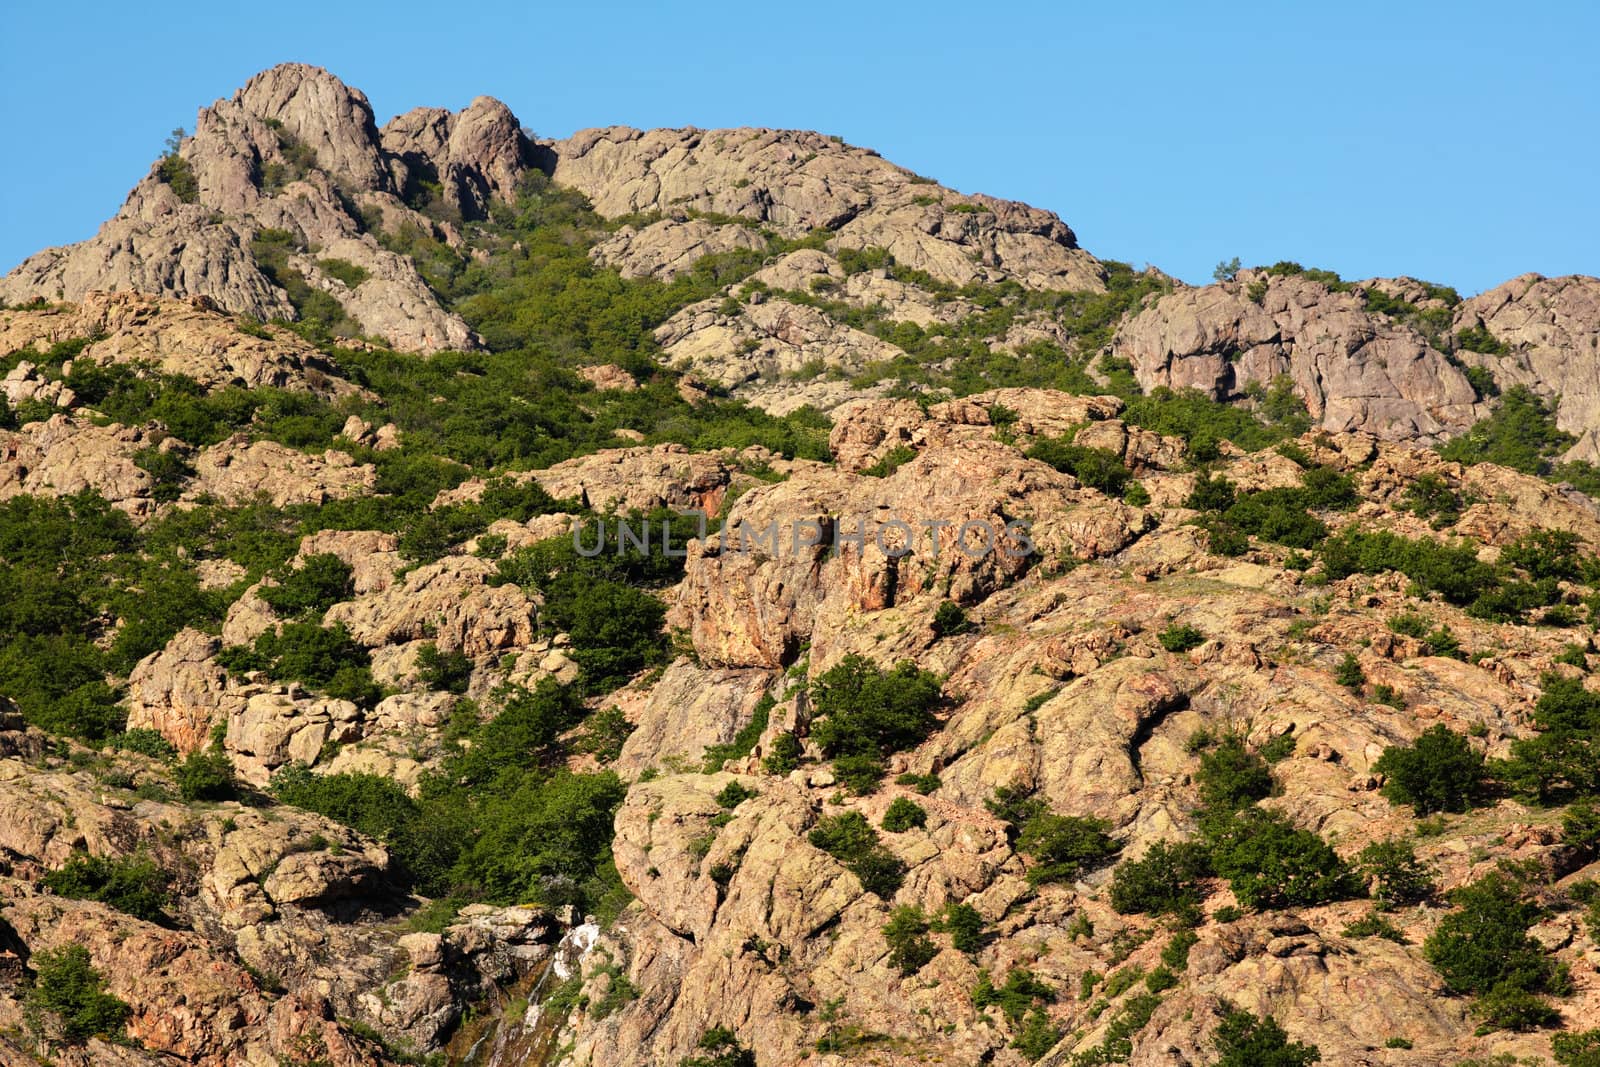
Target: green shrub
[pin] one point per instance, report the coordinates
(1409, 624)
(1167, 880)
(1270, 863)
(1349, 673)
(1243, 1040)
(310, 589)
(1176, 638)
(179, 176)
(1037, 1036)
(721, 1048)
(1453, 571)
(345, 271)
(1580, 830)
(1232, 777)
(902, 815)
(1374, 925)
(207, 774)
(735, 793)
(448, 671)
(1558, 761)
(964, 925)
(1020, 992)
(906, 932)
(1520, 434)
(1064, 846)
(922, 783)
(1096, 468)
(1479, 339)
(785, 754)
(1431, 497)
(1440, 771)
(745, 740)
(131, 884)
(1175, 956)
(1483, 949)
(146, 742)
(850, 839)
(892, 461)
(1280, 747)
(949, 620)
(1577, 1049)
(1214, 492)
(1394, 875)
(67, 987)
(371, 803)
(862, 711)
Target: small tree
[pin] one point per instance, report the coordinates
(1176, 638)
(1440, 771)
(950, 620)
(1227, 270)
(1246, 1041)
(1349, 674)
(721, 1048)
(1167, 880)
(903, 814)
(1063, 846)
(68, 988)
(1394, 875)
(207, 774)
(910, 948)
(964, 925)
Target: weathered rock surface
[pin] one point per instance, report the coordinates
(238, 470)
(1355, 369)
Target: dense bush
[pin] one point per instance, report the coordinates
(310, 589)
(1483, 948)
(1064, 846)
(1563, 758)
(1453, 571)
(1440, 771)
(1180, 638)
(68, 987)
(1020, 992)
(1520, 434)
(1242, 1040)
(207, 774)
(949, 620)
(1167, 880)
(906, 932)
(850, 839)
(1269, 863)
(371, 803)
(132, 884)
(964, 925)
(862, 711)
(1394, 875)
(325, 658)
(1231, 776)
(903, 814)
(1096, 468)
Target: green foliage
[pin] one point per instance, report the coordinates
(1213, 492)
(1452, 571)
(1563, 758)
(179, 176)
(1576, 1049)
(322, 657)
(1270, 863)
(1374, 925)
(1483, 948)
(902, 815)
(373, 804)
(1204, 423)
(1580, 830)
(1520, 434)
(1440, 771)
(1479, 339)
(1167, 880)
(1096, 468)
(744, 741)
(1231, 776)
(320, 582)
(1431, 497)
(1175, 956)
(168, 472)
(1180, 638)
(735, 793)
(785, 754)
(922, 783)
(1226, 270)
(1349, 673)
(720, 1047)
(891, 461)
(964, 925)
(1020, 992)
(146, 742)
(850, 839)
(906, 932)
(131, 884)
(949, 620)
(448, 671)
(1037, 1036)
(68, 987)
(863, 711)
(344, 270)
(207, 774)
(1064, 846)
(1393, 874)
(1243, 1040)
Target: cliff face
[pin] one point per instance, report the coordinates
(298, 642)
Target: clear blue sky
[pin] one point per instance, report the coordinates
(1452, 141)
